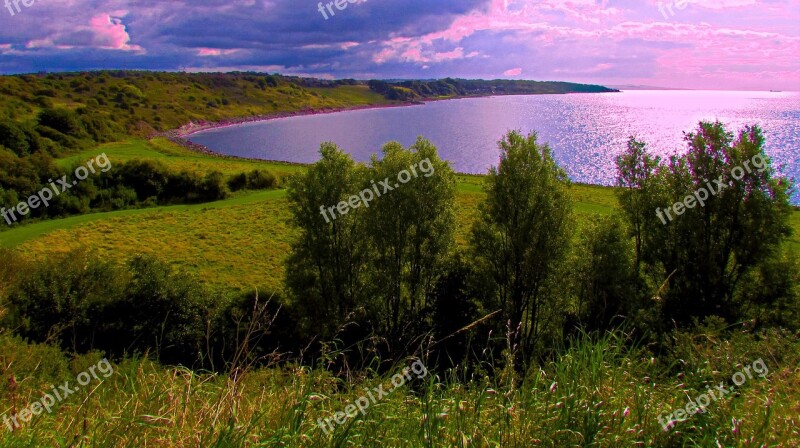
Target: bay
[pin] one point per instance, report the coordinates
(586, 131)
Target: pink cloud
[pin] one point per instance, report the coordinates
(110, 33)
(689, 54)
(513, 72)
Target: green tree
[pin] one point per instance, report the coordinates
(730, 216)
(604, 274)
(637, 182)
(411, 229)
(522, 233)
(325, 270)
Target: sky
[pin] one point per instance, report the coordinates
(697, 44)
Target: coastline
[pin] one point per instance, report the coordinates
(180, 136)
(194, 127)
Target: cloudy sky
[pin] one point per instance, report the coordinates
(719, 44)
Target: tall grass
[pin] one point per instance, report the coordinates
(600, 391)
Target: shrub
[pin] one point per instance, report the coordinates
(260, 180)
(254, 180)
(56, 301)
(62, 120)
(14, 138)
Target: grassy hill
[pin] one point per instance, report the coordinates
(144, 102)
(239, 242)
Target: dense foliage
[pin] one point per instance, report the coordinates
(137, 183)
(534, 275)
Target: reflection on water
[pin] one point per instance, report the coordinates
(586, 131)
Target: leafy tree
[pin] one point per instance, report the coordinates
(411, 229)
(731, 219)
(522, 233)
(636, 179)
(604, 274)
(325, 270)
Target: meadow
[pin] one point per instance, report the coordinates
(238, 242)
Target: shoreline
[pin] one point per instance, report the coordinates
(180, 135)
(192, 127)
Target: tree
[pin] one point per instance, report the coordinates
(325, 270)
(411, 230)
(522, 233)
(636, 179)
(723, 215)
(604, 274)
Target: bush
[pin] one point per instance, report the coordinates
(14, 138)
(254, 180)
(58, 301)
(237, 182)
(62, 120)
(260, 180)
(213, 187)
(158, 310)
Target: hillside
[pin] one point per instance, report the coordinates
(142, 102)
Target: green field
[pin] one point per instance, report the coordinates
(239, 242)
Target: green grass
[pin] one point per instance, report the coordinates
(597, 393)
(359, 95)
(235, 243)
(178, 158)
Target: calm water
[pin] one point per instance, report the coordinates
(586, 131)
